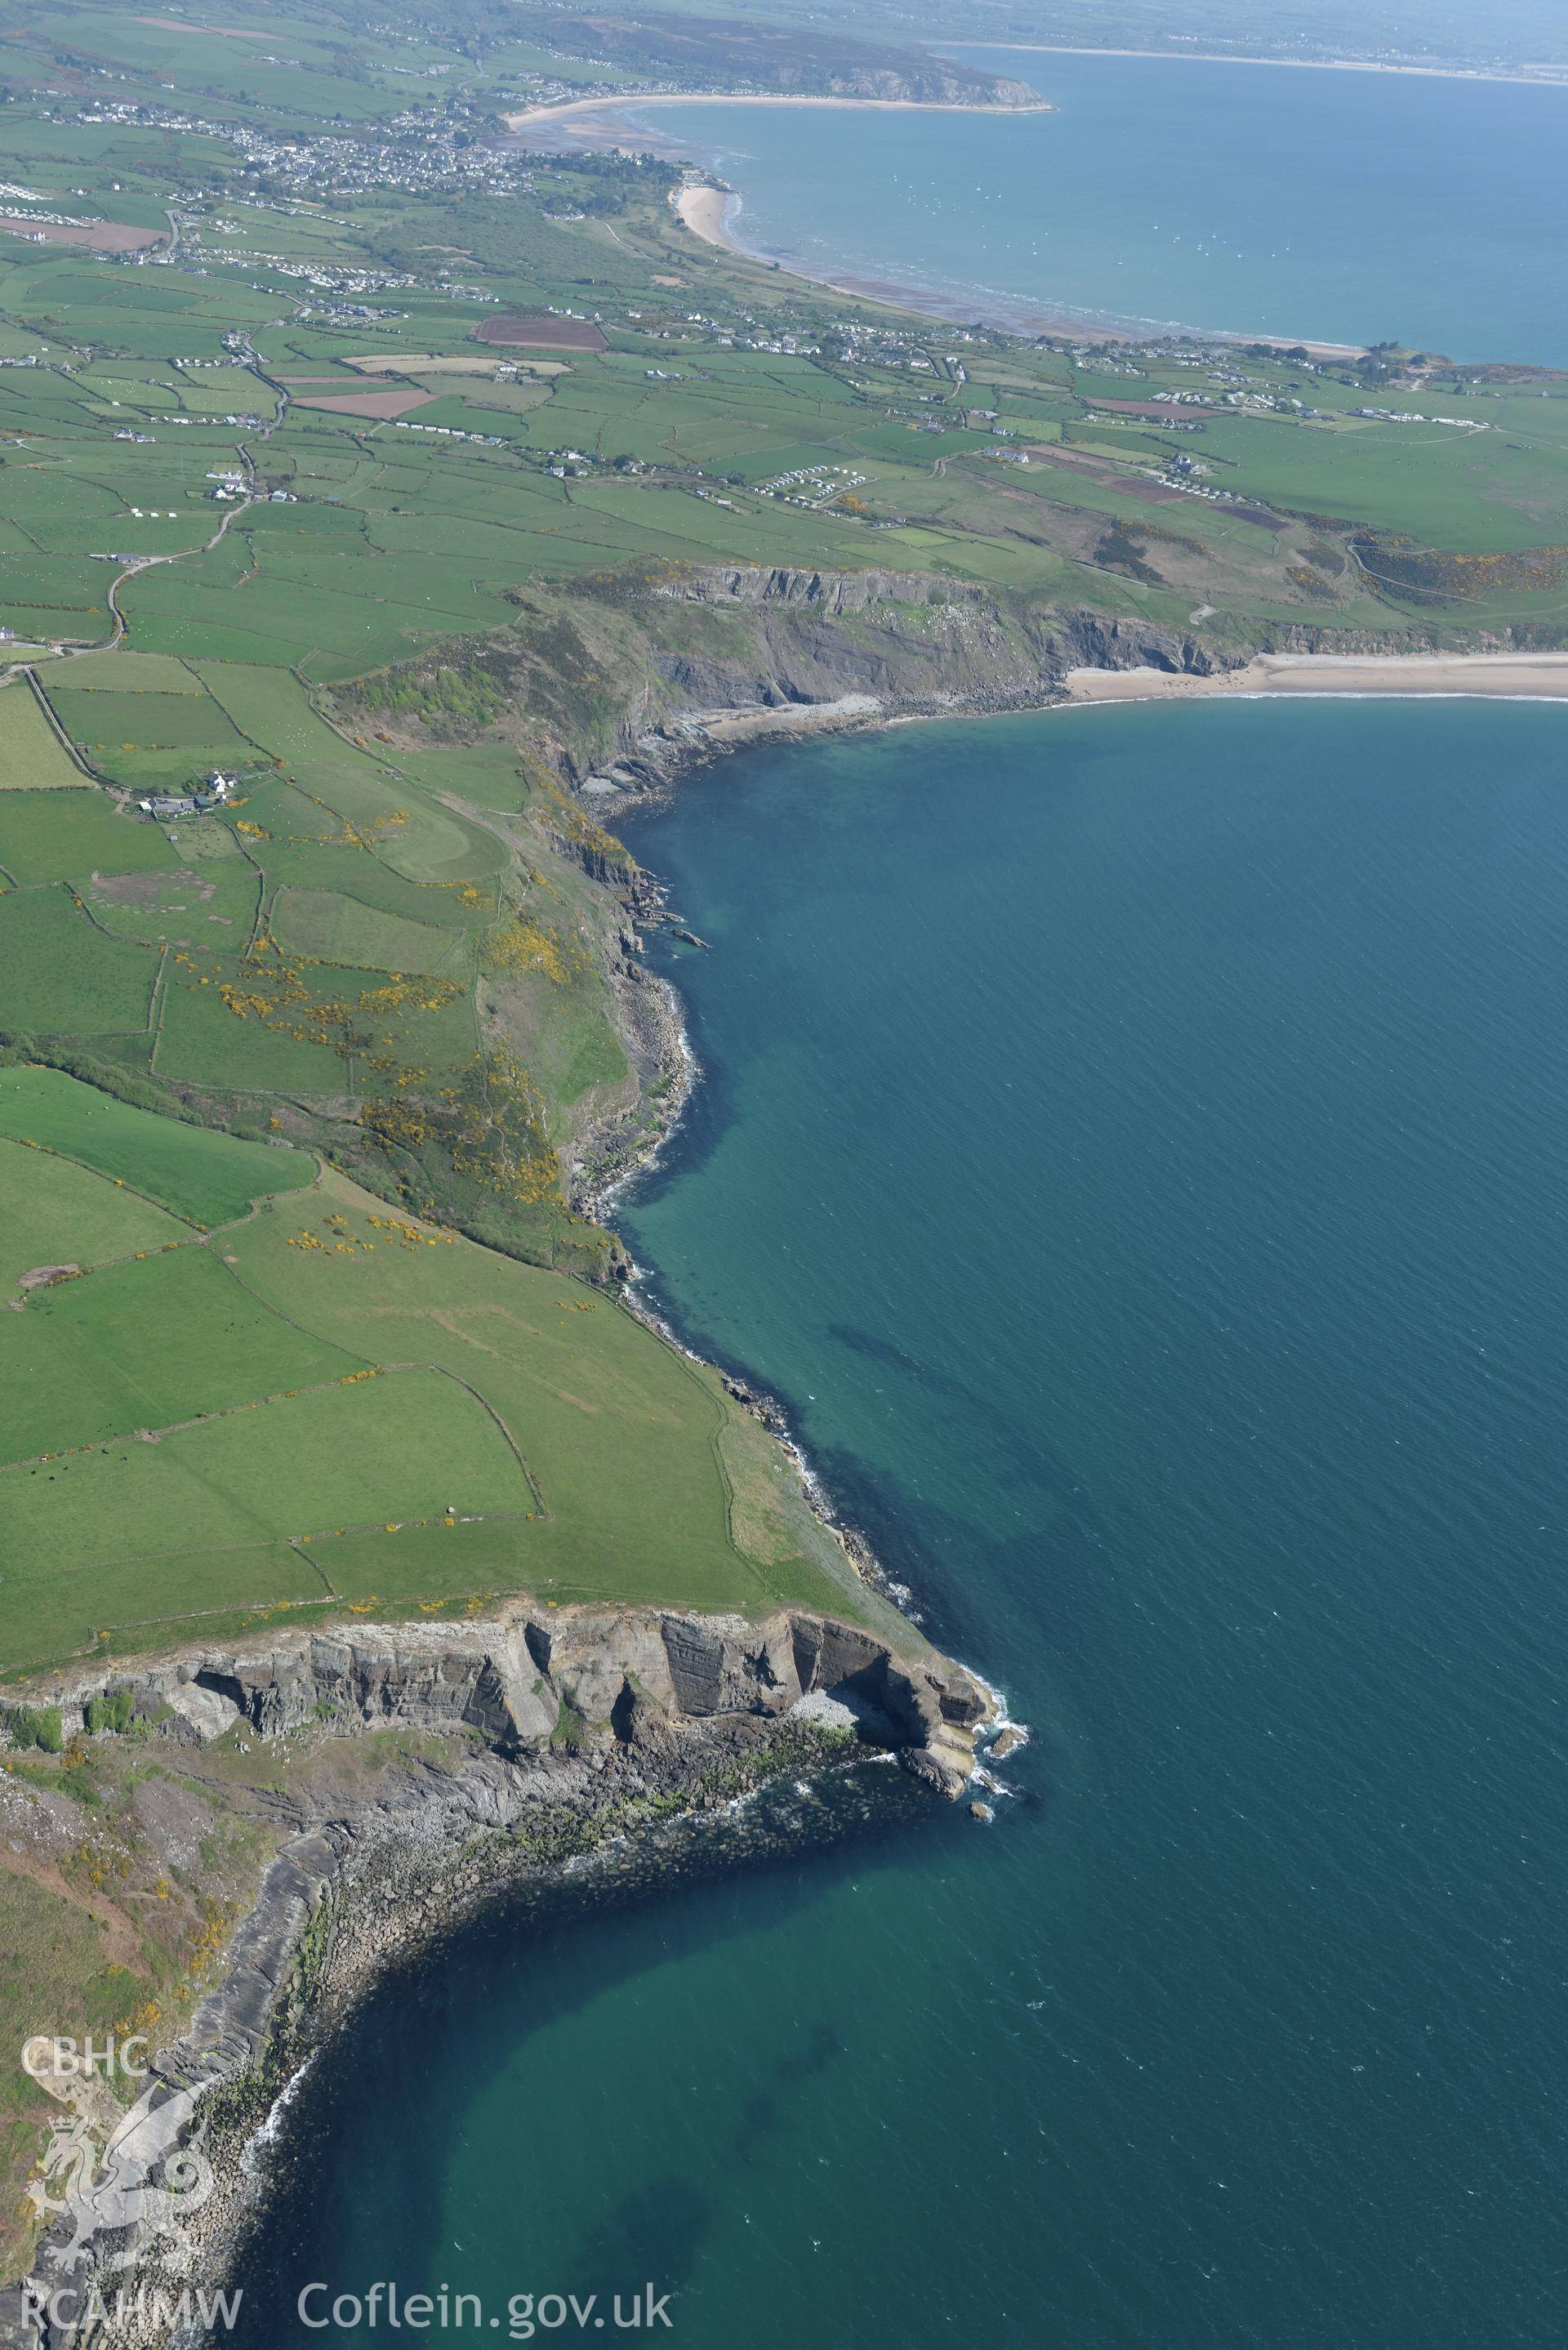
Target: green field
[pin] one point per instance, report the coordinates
(620, 1431)
(103, 720)
(205, 1178)
(201, 1041)
(163, 1338)
(123, 673)
(60, 975)
(206, 892)
(55, 1212)
(290, 1410)
(56, 836)
(340, 864)
(331, 928)
(213, 1501)
(32, 756)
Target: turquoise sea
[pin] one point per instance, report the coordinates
(1132, 1146)
(1340, 206)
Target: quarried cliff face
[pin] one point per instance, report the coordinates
(623, 678)
(628, 1677)
(395, 1775)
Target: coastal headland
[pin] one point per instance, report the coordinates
(345, 1479)
(371, 1788)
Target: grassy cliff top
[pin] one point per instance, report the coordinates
(356, 456)
(300, 1405)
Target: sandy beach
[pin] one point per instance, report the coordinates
(704, 212)
(1531, 677)
(1547, 78)
(573, 106)
(709, 212)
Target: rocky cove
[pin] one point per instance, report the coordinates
(399, 1777)
(331, 1804)
(612, 690)
(394, 1778)
(624, 682)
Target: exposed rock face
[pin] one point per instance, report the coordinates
(625, 1674)
(854, 646)
(932, 87)
(581, 1717)
(614, 1670)
(828, 591)
(683, 661)
(661, 663)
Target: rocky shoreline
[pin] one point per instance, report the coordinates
(743, 655)
(704, 661)
(521, 1746)
(525, 1743)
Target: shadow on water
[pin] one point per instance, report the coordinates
(657, 2233)
(1042, 1588)
(917, 1542)
(709, 1107)
(354, 2172)
(895, 1358)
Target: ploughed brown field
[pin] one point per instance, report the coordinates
(1131, 485)
(223, 32)
(101, 236)
(1167, 411)
(1137, 485)
(364, 403)
(540, 329)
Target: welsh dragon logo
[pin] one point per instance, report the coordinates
(123, 2180)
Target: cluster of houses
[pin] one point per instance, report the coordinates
(213, 793)
(1407, 416)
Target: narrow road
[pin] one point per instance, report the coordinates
(147, 562)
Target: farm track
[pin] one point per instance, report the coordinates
(149, 563)
(201, 1233)
(259, 1403)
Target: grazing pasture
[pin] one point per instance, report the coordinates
(327, 927)
(194, 1523)
(203, 897)
(32, 756)
(124, 672)
(193, 1171)
(146, 1343)
(201, 1041)
(55, 835)
(54, 1212)
(60, 975)
(106, 721)
(620, 1431)
(329, 1382)
(363, 403)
